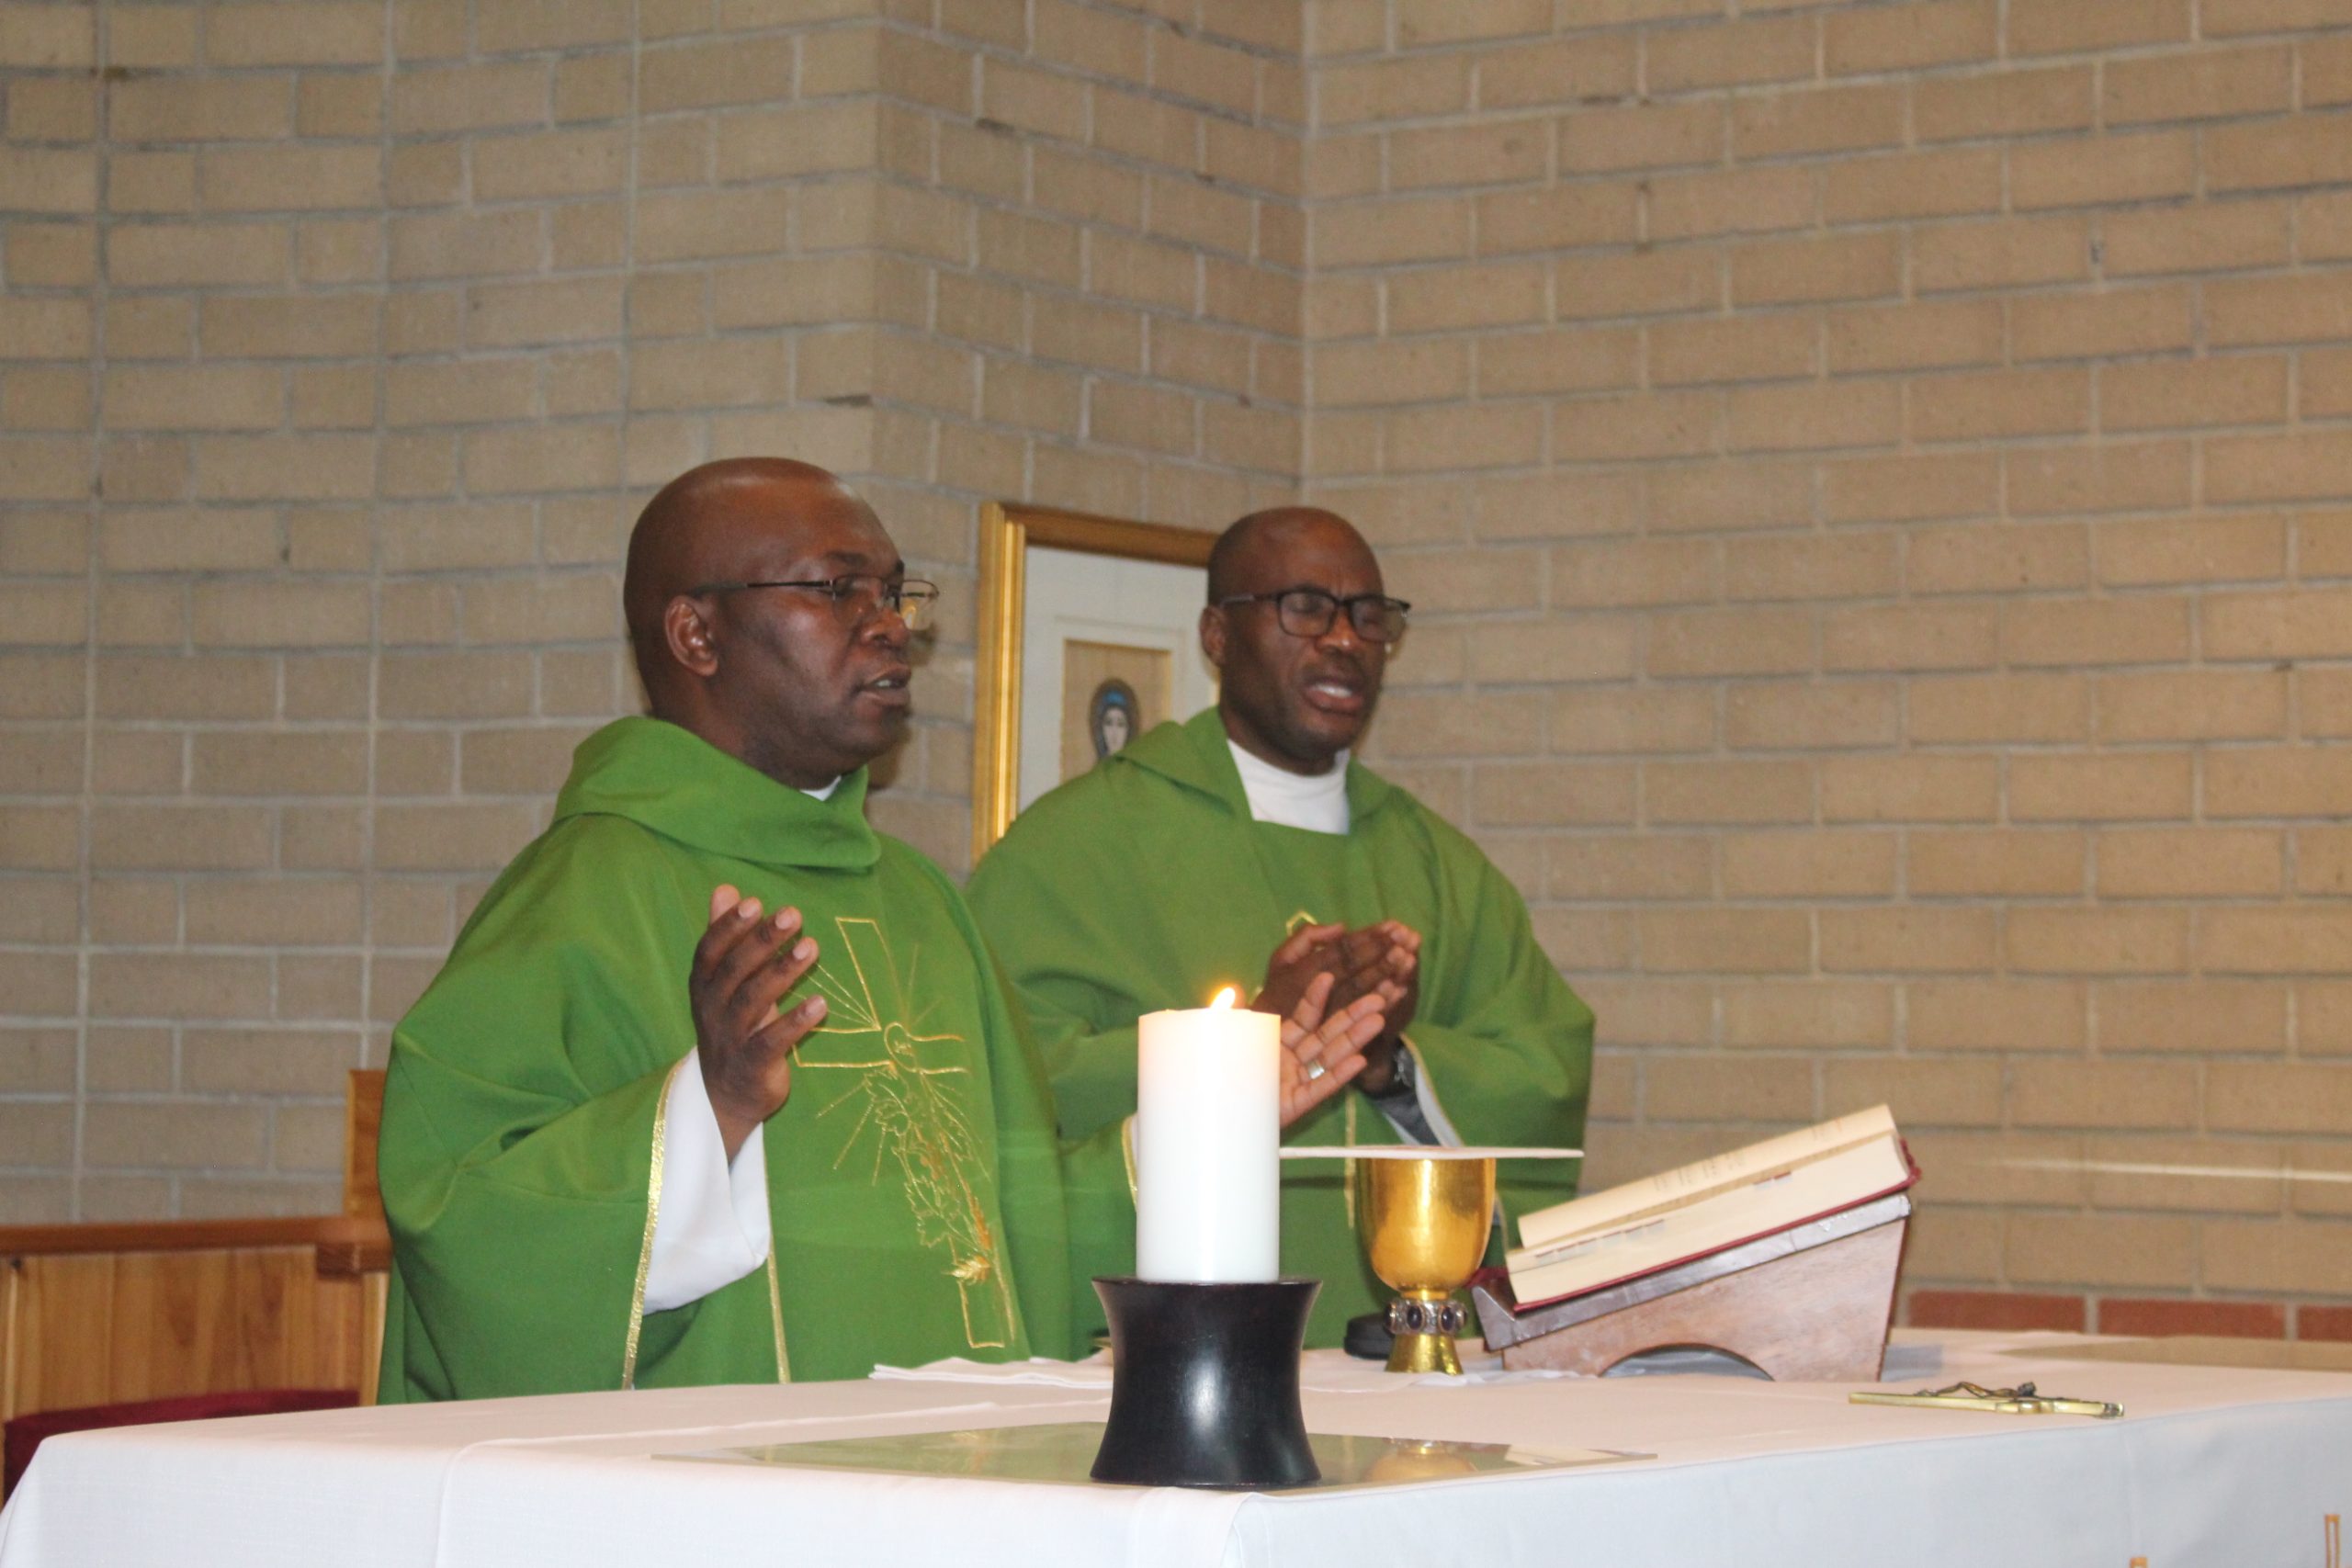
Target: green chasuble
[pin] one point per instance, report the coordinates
(920, 1202)
(1145, 884)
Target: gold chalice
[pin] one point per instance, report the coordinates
(1424, 1222)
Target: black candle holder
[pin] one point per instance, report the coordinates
(1205, 1384)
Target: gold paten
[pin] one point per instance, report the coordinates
(1408, 1460)
(1423, 1224)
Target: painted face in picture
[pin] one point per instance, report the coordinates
(1115, 717)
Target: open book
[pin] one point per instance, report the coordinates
(1643, 1226)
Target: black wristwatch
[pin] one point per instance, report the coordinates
(1404, 1084)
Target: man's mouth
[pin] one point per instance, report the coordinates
(1336, 693)
(890, 688)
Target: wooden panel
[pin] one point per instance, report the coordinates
(104, 1314)
(107, 1315)
(363, 1123)
(1817, 1315)
(99, 1330)
(12, 1280)
(368, 1252)
(185, 1236)
(372, 1256)
(65, 1322)
(137, 1300)
(375, 1291)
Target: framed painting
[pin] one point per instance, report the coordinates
(1089, 636)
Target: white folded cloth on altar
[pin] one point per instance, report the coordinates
(2217, 1465)
(1320, 1372)
(1037, 1371)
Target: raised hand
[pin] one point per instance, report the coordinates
(743, 966)
(1323, 1046)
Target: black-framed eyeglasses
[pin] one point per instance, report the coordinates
(859, 594)
(1309, 612)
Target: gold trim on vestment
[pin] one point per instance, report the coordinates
(775, 1312)
(1299, 919)
(1127, 1149)
(1347, 1167)
(652, 1214)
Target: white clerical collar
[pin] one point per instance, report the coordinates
(824, 794)
(1317, 802)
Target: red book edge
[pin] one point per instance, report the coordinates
(1497, 1277)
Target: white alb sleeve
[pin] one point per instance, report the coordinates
(710, 1223)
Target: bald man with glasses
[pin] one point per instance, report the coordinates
(720, 1085)
(1247, 846)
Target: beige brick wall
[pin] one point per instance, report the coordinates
(1875, 477)
(339, 341)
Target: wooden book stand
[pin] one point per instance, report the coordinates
(1808, 1304)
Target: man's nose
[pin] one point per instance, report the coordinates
(1341, 633)
(888, 624)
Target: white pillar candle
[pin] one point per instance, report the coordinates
(1208, 1138)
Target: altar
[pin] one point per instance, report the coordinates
(2238, 1465)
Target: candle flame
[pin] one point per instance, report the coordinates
(1224, 998)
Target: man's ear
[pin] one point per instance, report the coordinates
(1212, 635)
(688, 632)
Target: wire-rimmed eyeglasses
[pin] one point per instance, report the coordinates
(858, 594)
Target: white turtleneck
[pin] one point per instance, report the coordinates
(1317, 802)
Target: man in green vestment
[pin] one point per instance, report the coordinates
(719, 1084)
(1247, 841)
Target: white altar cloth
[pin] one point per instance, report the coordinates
(2232, 1467)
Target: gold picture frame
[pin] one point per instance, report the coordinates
(1009, 530)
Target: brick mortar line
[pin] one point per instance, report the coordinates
(382, 359)
(86, 945)
(1643, 27)
(1152, 27)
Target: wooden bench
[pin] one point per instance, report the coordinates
(101, 1315)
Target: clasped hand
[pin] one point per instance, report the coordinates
(745, 967)
(1381, 960)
